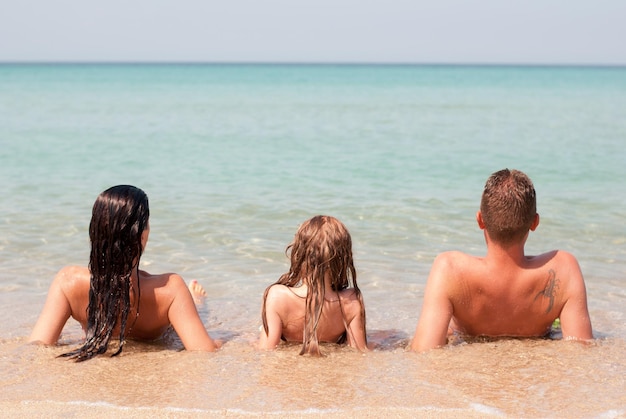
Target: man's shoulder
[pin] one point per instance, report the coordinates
(455, 255)
(452, 269)
(565, 256)
(454, 259)
(565, 267)
(555, 257)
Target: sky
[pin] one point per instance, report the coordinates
(588, 32)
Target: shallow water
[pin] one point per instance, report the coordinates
(234, 158)
(505, 378)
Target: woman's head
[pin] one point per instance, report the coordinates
(118, 233)
(118, 221)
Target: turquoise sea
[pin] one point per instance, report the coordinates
(235, 157)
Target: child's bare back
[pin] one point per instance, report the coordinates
(291, 308)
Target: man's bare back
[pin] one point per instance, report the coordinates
(504, 293)
(520, 301)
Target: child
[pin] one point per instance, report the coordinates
(107, 297)
(314, 302)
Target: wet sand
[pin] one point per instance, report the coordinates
(503, 378)
(507, 378)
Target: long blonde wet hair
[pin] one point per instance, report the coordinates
(322, 247)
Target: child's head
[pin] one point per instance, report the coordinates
(322, 250)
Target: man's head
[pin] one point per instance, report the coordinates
(508, 206)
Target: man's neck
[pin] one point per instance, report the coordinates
(511, 253)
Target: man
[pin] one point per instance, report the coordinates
(505, 293)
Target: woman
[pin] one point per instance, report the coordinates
(112, 297)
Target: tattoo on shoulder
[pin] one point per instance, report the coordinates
(552, 285)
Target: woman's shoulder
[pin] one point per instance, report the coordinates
(73, 282)
(73, 275)
(163, 280)
(73, 271)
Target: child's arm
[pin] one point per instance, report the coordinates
(271, 339)
(356, 331)
(185, 320)
(54, 314)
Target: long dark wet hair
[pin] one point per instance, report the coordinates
(119, 217)
(322, 246)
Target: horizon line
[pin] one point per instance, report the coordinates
(310, 63)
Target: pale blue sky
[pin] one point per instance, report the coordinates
(405, 31)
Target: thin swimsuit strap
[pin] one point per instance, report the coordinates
(344, 336)
(299, 296)
(293, 292)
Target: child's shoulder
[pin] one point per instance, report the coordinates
(283, 299)
(285, 291)
(352, 304)
(349, 295)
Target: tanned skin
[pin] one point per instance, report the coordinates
(165, 300)
(286, 311)
(505, 293)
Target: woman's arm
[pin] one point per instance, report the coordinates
(185, 320)
(55, 312)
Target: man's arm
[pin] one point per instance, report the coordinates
(575, 321)
(437, 310)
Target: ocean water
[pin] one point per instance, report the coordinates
(235, 157)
